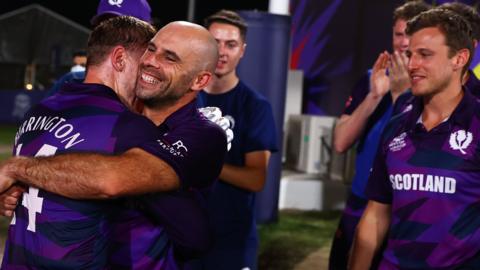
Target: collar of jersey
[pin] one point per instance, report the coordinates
(462, 115)
(178, 117)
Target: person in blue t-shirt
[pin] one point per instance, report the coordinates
(231, 202)
(367, 111)
(423, 189)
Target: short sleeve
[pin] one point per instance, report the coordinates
(195, 151)
(261, 131)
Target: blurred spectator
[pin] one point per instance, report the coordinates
(79, 61)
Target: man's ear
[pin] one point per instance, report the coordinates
(117, 58)
(244, 47)
(461, 58)
(201, 80)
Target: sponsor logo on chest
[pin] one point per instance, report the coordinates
(176, 149)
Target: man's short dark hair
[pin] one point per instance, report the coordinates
(79, 53)
(469, 13)
(456, 29)
(125, 31)
(228, 17)
(409, 10)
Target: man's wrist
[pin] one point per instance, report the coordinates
(15, 167)
(375, 97)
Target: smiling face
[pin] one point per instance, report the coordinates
(167, 68)
(430, 66)
(231, 47)
(178, 62)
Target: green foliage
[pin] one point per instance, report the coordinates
(295, 236)
(7, 134)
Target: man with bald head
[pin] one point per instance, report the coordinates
(162, 66)
(186, 147)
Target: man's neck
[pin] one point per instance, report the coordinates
(101, 76)
(223, 84)
(440, 106)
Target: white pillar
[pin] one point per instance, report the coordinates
(191, 11)
(279, 7)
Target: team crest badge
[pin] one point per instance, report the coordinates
(460, 140)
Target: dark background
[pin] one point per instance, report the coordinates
(81, 11)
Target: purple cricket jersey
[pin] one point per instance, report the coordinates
(431, 179)
(195, 148)
(49, 231)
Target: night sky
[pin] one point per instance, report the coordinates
(81, 11)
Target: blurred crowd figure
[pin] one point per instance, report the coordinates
(79, 61)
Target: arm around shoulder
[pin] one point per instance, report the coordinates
(96, 176)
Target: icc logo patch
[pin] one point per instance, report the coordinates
(398, 143)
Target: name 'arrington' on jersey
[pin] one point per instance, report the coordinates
(56, 124)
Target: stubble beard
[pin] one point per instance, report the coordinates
(436, 87)
(166, 97)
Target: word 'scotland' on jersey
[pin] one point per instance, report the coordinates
(58, 125)
(421, 182)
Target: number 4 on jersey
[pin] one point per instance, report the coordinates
(30, 200)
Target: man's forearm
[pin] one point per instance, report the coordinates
(369, 236)
(251, 179)
(95, 176)
(57, 175)
(349, 127)
(252, 175)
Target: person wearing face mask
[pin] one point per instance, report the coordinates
(79, 61)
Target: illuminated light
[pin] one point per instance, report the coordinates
(29, 86)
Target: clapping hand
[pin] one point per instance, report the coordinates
(379, 81)
(398, 74)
